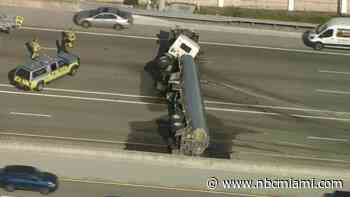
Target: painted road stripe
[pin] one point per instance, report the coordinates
(240, 111)
(203, 42)
(81, 98)
(120, 183)
(327, 139)
(149, 103)
(93, 92)
(321, 117)
(206, 101)
(278, 107)
(48, 48)
(30, 114)
(93, 33)
(332, 91)
(333, 72)
(18, 133)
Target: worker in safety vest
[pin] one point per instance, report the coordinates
(68, 38)
(34, 48)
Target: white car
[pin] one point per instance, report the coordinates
(104, 17)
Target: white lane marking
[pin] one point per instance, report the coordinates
(81, 98)
(327, 139)
(278, 107)
(120, 183)
(94, 92)
(149, 103)
(321, 117)
(240, 111)
(202, 42)
(18, 133)
(93, 33)
(333, 72)
(273, 48)
(292, 156)
(30, 114)
(206, 101)
(332, 91)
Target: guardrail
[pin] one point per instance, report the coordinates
(220, 19)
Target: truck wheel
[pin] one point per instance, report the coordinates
(73, 71)
(9, 188)
(86, 24)
(44, 191)
(118, 27)
(318, 46)
(40, 86)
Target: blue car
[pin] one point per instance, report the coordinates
(27, 178)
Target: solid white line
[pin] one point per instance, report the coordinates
(240, 111)
(202, 42)
(333, 72)
(81, 98)
(327, 139)
(332, 91)
(274, 48)
(30, 114)
(15, 133)
(206, 101)
(94, 92)
(93, 33)
(278, 107)
(119, 183)
(321, 117)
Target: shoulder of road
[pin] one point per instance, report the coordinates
(162, 171)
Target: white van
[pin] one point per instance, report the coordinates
(334, 34)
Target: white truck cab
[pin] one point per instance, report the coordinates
(334, 34)
(184, 46)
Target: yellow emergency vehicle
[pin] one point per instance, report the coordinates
(43, 69)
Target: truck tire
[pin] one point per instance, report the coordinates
(86, 24)
(73, 71)
(318, 46)
(9, 188)
(40, 86)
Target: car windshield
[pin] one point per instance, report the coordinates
(24, 74)
(320, 28)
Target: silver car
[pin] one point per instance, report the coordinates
(104, 17)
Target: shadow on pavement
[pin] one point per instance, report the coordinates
(149, 136)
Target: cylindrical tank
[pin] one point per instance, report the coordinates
(198, 136)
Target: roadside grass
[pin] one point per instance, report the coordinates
(280, 15)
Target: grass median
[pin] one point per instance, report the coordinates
(280, 15)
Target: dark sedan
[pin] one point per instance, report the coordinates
(27, 178)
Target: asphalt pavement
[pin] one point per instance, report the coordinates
(93, 189)
(258, 99)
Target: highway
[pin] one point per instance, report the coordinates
(100, 189)
(259, 100)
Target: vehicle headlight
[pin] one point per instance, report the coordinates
(51, 184)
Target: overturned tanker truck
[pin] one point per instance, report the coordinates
(177, 78)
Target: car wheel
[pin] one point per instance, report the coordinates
(86, 24)
(118, 27)
(44, 191)
(8, 31)
(318, 46)
(40, 86)
(10, 188)
(73, 71)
